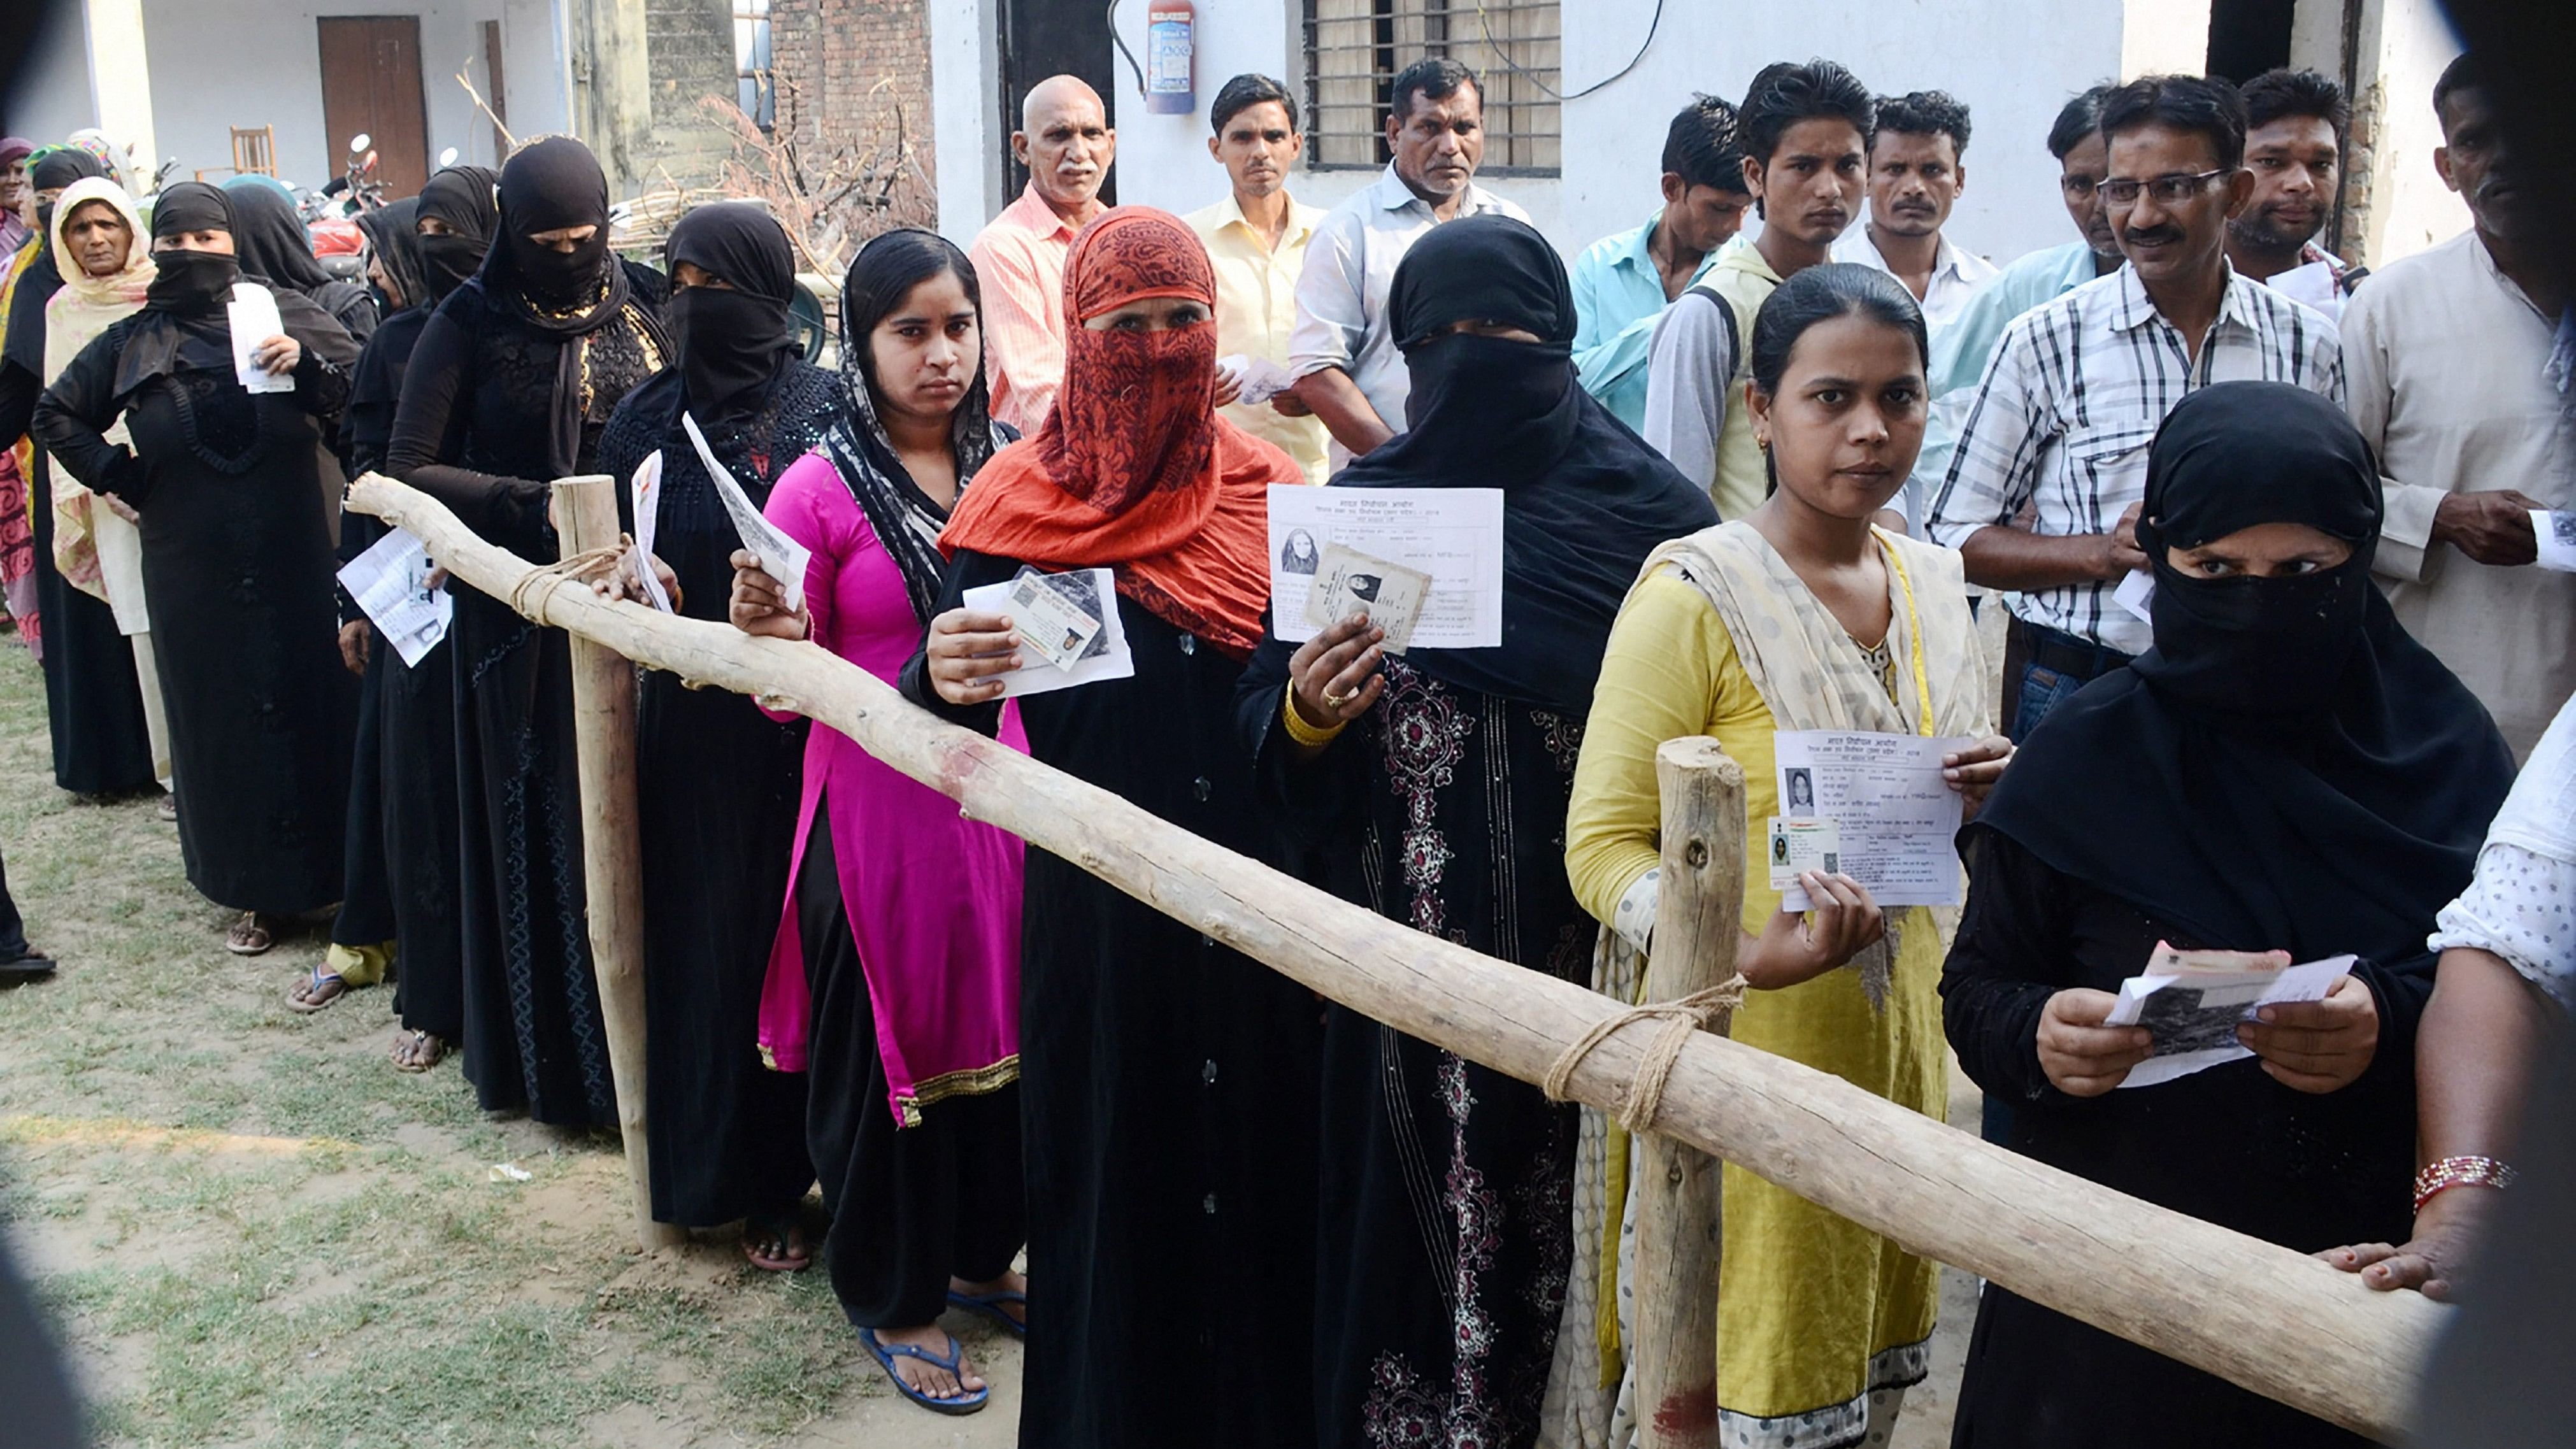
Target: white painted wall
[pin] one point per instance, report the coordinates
(965, 87)
(211, 65)
(2410, 208)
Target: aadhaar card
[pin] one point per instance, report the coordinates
(1799, 845)
(1048, 623)
(1349, 582)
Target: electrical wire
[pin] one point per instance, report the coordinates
(1121, 42)
(1516, 68)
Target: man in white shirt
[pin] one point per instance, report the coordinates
(1349, 372)
(2061, 423)
(1916, 172)
(2294, 128)
(2446, 354)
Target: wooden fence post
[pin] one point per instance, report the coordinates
(1698, 914)
(603, 709)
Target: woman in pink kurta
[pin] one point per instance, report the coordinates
(895, 981)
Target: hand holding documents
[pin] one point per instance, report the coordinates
(391, 582)
(1258, 378)
(1349, 582)
(781, 557)
(2192, 1002)
(1068, 625)
(1451, 539)
(252, 314)
(2556, 535)
(647, 490)
(1893, 813)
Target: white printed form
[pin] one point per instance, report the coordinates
(781, 557)
(1453, 534)
(1895, 816)
(390, 581)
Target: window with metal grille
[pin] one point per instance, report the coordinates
(755, 87)
(1354, 48)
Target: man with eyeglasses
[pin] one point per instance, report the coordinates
(2062, 421)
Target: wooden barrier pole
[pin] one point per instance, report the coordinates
(2259, 1315)
(1698, 914)
(603, 711)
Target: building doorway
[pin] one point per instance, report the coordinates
(2249, 37)
(371, 83)
(1041, 38)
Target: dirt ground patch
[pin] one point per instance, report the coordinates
(251, 1230)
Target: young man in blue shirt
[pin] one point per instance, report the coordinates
(1623, 282)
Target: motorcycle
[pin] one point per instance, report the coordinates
(330, 215)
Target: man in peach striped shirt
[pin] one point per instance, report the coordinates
(1066, 142)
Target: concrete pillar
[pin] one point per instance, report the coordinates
(612, 85)
(2164, 37)
(120, 79)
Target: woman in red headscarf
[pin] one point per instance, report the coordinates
(1167, 1084)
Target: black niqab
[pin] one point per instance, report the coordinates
(2287, 768)
(460, 198)
(390, 236)
(1584, 499)
(271, 241)
(185, 282)
(555, 185)
(730, 344)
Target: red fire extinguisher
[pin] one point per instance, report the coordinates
(1169, 47)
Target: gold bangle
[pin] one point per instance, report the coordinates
(1300, 731)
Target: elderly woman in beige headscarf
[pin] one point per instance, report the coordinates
(102, 251)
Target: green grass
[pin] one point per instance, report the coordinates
(250, 1229)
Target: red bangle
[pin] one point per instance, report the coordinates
(2450, 1172)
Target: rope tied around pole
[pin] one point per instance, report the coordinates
(1644, 1099)
(528, 595)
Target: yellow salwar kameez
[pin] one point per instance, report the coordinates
(1822, 1324)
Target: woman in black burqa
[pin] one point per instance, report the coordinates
(237, 561)
(364, 934)
(275, 248)
(509, 389)
(93, 700)
(716, 779)
(451, 229)
(2286, 770)
(1433, 789)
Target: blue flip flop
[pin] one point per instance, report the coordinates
(990, 1305)
(887, 1353)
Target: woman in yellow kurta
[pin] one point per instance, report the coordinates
(1803, 616)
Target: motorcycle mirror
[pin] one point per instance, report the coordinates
(360, 142)
(447, 158)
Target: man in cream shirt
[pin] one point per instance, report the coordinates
(1256, 238)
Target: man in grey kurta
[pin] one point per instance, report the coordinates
(2444, 356)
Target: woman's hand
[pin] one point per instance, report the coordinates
(2433, 1262)
(759, 603)
(2317, 1046)
(623, 582)
(1794, 947)
(1333, 678)
(121, 508)
(969, 650)
(353, 645)
(278, 355)
(1229, 385)
(1973, 771)
(2084, 1058)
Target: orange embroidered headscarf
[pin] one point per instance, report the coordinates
(1133, 469)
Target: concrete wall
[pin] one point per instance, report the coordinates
(965, 79)
(2395, 198)
(215, 64)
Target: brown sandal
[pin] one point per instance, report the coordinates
(425, 1050)
(249, 936)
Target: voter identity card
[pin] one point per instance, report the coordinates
(1349, 582)
(1799, 845)
(1049, 621)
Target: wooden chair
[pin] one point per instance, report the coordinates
(254, 153)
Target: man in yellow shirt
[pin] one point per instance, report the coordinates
(1257, 239)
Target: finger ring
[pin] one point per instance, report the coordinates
(1335, 701)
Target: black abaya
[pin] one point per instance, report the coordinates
(237, 571)
(93, 698)
(476, 430)
(911, 1206)
(1167, 1090)
(717, 786)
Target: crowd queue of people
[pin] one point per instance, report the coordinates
(1751, 483)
